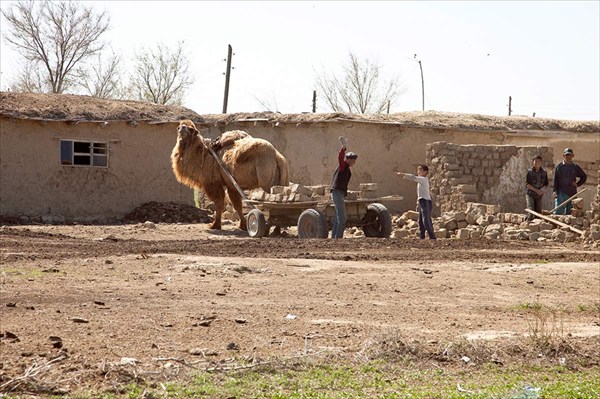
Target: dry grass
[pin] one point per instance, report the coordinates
(545, 341)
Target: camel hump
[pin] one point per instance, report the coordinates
(229, 138)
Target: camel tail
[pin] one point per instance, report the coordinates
(284, 170)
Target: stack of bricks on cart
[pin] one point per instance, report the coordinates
(295, 192)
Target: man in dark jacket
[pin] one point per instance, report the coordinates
(566, 183)
(536, 183)
(339, 188)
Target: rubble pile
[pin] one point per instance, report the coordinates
(167, 212)
(485, 221)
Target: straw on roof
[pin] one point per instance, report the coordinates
(85, 108)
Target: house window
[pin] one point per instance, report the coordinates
(83, 153)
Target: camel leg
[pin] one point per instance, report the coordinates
(236, 200)
(217, 195)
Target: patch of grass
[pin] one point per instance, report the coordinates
(23, 274)
(386, 380)
(593, 308)
(529, 306)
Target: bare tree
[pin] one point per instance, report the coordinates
(268, 104)
(54, 37)
(29, 80)
(103, 79)
(161, 76)
(359, 89)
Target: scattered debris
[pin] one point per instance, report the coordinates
(56, 341)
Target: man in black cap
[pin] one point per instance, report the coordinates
(339, 188)
(566, 183)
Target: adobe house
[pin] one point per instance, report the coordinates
(67, 157)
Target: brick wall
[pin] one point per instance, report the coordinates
(491, 174)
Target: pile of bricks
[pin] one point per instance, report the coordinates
(291, 193)
(593, 215)
(295, 192)
(485, 221)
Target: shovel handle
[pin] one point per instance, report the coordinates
(569, 199)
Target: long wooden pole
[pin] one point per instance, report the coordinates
(230, 177)
(554, 221)
(565, 202)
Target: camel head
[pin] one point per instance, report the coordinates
(186, 133)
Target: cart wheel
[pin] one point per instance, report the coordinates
(256, 223)
(312, 224)
(377, 221)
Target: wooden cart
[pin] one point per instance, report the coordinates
(314, 219)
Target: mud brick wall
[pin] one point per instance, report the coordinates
(591, 169)
(594, 214)
(489, 174)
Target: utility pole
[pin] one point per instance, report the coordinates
(509, 105)
(227, 75)
(422, 86)
(314, 108)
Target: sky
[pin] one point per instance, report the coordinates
(474, 54)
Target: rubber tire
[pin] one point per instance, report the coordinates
(256, 223)
(383, 221)
(312, 224)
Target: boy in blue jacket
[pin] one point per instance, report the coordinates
(566, 183)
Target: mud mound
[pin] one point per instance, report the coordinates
(10, 220)
(167, 212)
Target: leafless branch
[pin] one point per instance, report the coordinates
(102, 79)
(360, 89)
(161, 76)
(54, 37)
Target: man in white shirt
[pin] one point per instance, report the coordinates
(425, 202)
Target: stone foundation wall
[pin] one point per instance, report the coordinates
(491, 174)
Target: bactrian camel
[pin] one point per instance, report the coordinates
(253, 162)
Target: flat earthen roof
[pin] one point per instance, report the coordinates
(68, 107)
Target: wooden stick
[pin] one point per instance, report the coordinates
(570, 198)
(229, 176)
(554, 221)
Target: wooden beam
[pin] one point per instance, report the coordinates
(569, 199)
(230, 176)
(554, 221)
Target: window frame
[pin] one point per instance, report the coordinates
(93, 145)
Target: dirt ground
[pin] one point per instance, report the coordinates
(88, 308)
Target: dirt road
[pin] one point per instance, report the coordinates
(100, 304)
